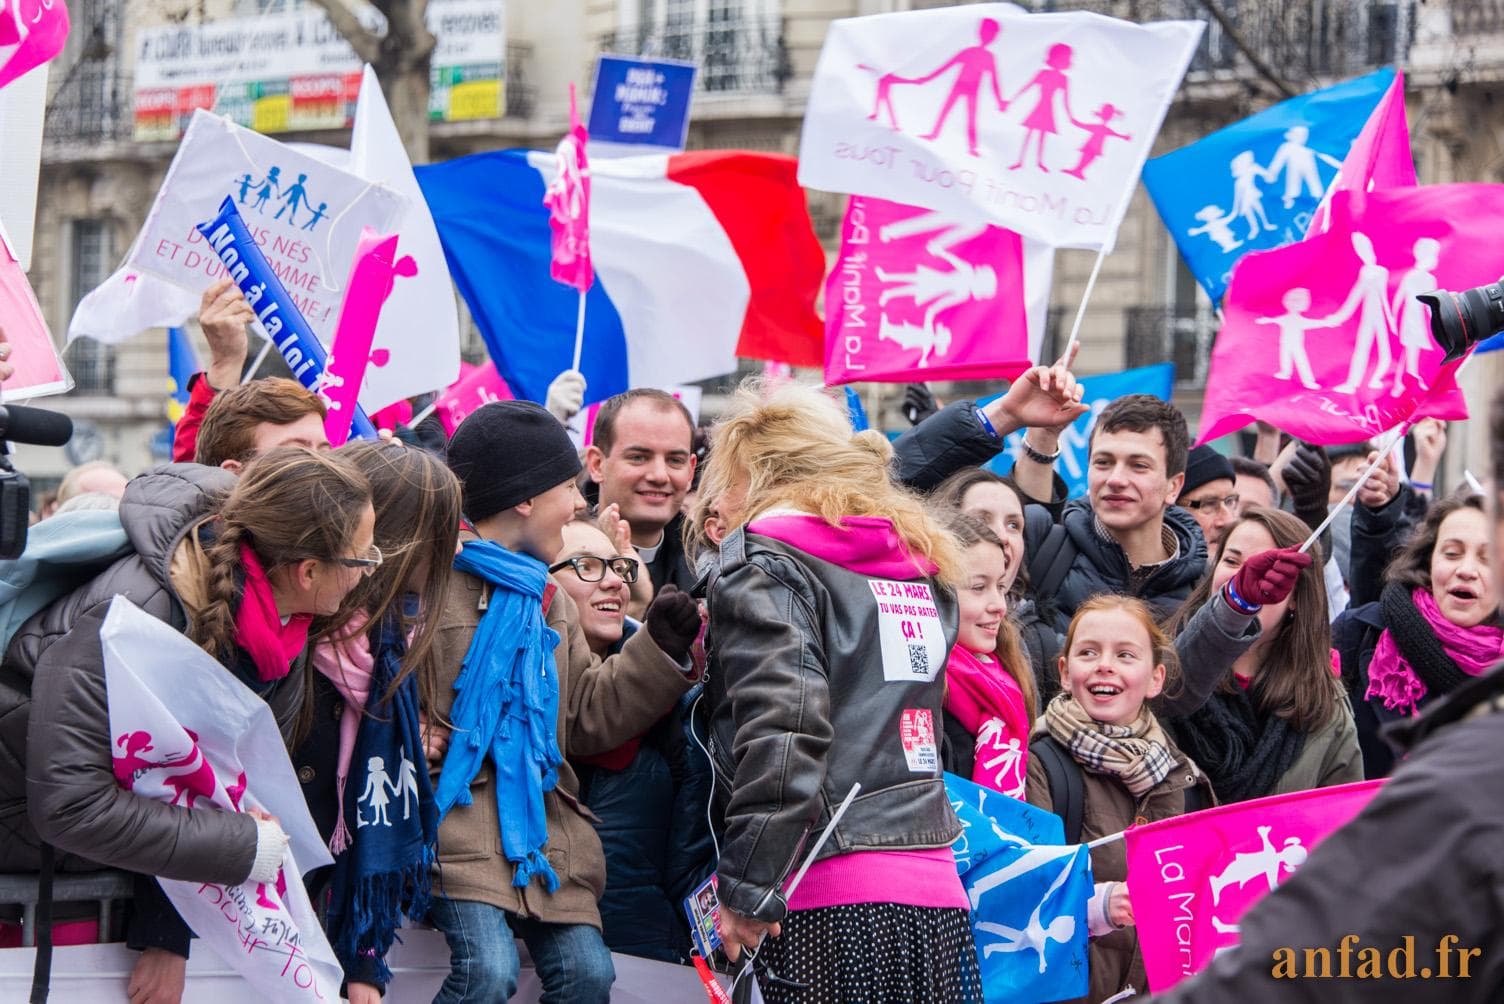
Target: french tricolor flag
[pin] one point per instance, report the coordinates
(700, 258)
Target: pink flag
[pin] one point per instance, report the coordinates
(476, 386)
(919, 294)
(568, 202)
(1324, 338)
(1379, 158)
(373, 274)
(39, 370)
(37, 28)
(1193, 877)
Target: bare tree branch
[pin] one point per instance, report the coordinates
(1239, 42)
(366, 43)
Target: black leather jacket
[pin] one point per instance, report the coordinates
(799, 710)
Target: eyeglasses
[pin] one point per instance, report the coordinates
(369, 563)
(592, 569)
(1228, 502)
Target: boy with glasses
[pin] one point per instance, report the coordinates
(1210, 494)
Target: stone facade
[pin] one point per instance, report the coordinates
(757, 57)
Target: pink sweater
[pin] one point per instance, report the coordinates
(912, 878)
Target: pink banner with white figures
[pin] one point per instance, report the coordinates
(1193, 877)
(919, 294)
(1379, 158)
(1325, 339)
(38, 30)
(1037, 122)
(185, 732)
(476, 386)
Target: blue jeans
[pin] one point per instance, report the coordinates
(571, 960)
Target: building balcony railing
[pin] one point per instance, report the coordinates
(1301, 40)
(1158, 333)
(92, 105)
(522, 95)
(736, 55)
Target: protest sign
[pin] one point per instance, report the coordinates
(1053, 114)
(39, 368)
(1191, 878)
(186, 732)
(1075, 442)
(642, 104)
(477, 385)
(1324, 338)
(305, 215)
(1257, 183)
(918, 294)
(23, 106)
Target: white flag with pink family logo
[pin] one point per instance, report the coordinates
(1037, 122)
(186, 732)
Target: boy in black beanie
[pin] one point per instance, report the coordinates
(518, 856)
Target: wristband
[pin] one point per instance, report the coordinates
(986, 423)
(1237, 602)
(1421, 486)
(1037, 456)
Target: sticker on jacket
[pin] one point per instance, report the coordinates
(916, 730)
(908, 626)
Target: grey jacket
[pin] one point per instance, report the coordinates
(53, 677)
(800, 709)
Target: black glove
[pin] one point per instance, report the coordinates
(673, 621)
(918, 403)
(1308, 478)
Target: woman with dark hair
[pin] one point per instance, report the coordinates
(376, 676)
(997, 502)
(1281, 722)
(1435, 625)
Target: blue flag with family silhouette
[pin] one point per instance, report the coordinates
(1097, 392)
(1255, 184)
(1028, 894)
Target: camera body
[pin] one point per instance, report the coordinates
(15, 510)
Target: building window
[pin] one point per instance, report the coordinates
(93, 257)
(738, 44)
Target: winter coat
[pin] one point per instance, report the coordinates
(53, 674)
(602, 704)
(1377, 534)
(1417, 868)
(1355, 635)
(670, 565)
(1108, 808)
(1100, 566)
(1330, 756)
(801, 706)
(654, 834)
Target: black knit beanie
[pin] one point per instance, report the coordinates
(1203, 465)
(507, 452)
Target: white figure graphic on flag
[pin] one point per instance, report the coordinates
(1265, 862)
(1293, 325)
(1370, 296)
(935, 291)
(1035, 936)
(1298, 161)
(1247, 199)
(1007, 762)
(1415, 331)
(1214, 225)
(378, 784)
(407, 783)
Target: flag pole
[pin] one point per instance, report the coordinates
(1091, 282)
(579, 332)
(249, 374)
(433, 406)
(1383, 453)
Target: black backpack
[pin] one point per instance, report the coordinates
(1068, 791)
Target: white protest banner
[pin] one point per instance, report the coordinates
(1037, 122)
(420, 326)
(306, 215)
(22, 107)
(186, 732)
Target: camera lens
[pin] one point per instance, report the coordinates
(1461, 320)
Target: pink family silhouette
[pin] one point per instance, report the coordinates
(975, 66)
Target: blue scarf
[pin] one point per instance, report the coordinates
(389, 806)
(506, 705)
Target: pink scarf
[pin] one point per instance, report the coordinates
(1475, 650)
(988, 703)
(347, 663)
(866, 545)
(258, 627)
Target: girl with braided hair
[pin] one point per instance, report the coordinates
(244, 567)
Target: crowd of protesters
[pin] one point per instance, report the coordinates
(660, 660)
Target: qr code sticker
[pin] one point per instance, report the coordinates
(919, 660)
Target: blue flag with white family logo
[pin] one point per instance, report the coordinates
(1255, 184)
(1028, 896)
(1097, 392)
